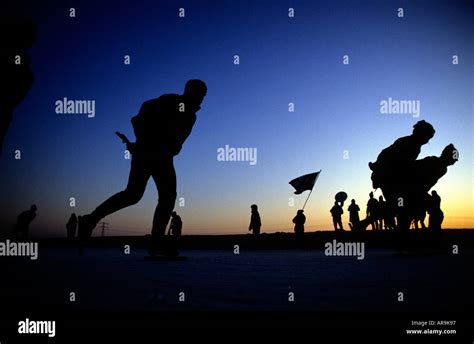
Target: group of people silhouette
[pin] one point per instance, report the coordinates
(162, 126)
(405, 183)
(380, 217)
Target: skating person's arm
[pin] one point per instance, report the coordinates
(184, 127)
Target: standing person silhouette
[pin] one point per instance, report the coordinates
(372, 211)
(255, 222)
(161, 128)
(299, 221)
(353, 215)
(336, 212)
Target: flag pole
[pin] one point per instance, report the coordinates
(307, 198)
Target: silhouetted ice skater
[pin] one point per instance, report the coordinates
(176, 225)
(436, 214)
(425, 175)
(336, 212)
(392, 162)
(354, 220)
(404, 180)
(299, 221)
(255, 222)
(161, 128)
(71, 226)
(23, 221)
(16, 76)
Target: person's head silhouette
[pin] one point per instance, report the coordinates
(173, 214)
(353, 201)
(371, 195)
(33, 208)
(423, 131)
(195, 91)
(434, 193)
(300, 212)
(254, 207)
(381, 199)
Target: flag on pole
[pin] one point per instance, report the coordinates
(305, 182)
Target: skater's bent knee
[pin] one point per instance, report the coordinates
(132, 197)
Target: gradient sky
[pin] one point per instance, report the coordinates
(282, 60)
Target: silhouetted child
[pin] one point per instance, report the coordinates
(353, 215)
(22, 226)
(336, 212)
(299, 221)
(255, 222)
(71, 226)
(161, 128)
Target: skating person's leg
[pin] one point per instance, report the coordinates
(137, 180)
(164, 176)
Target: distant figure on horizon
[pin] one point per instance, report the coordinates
(336, 212)
(436, 214)
(255, 222)
(353, 215)
(176, 225)
(299, 221)
(372, 211)
(23, 221)
(17, 36)
(161, 128)
(71, 226)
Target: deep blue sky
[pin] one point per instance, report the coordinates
(282, 60)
